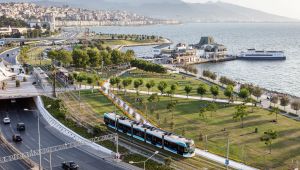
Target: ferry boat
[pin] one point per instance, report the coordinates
(252, 54)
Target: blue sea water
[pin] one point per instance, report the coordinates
(282, 76)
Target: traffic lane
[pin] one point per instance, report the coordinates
(12, 56)
(30, 140)
(14, 165)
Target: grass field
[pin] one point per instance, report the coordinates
(170, 79)
(34, 57)
(245, 145)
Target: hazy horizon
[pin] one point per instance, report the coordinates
(277, 7)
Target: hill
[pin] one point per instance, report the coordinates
(179, 10)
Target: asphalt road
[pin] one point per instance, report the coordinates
(10, 56)
(48, 138)
(16, 165)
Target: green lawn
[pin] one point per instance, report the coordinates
(245, 145)
(170, 79)
(34, 57)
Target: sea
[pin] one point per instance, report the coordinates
(281, 76)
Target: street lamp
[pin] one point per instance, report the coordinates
(144, 162)
(39, 134)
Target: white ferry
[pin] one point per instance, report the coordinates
(252, 54)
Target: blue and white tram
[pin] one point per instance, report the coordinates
(151, 135)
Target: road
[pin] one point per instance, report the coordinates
(16, 165)
(49, 137)
(10, 56)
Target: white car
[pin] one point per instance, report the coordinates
(6, 120)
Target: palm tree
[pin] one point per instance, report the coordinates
(240, 113)
(188, 90)
(201, 90)
(268, 138)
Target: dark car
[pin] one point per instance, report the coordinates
(20, 126)
(70, 165)
(17, 138)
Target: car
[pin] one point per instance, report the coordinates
(6, 120)
(20, 126)
(17, 138)
(69, 165)
(13, 100)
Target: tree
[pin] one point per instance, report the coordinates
(171, 107)
(126, 83)
(257, 92)
(62, 56)
(284, 101)
(162, 87)
(90, 80)
(116, 57)
(244, 94)
(275, 111)
(112, 81)
(214, 91)
(188, 90)
(154, 98)
(229, 92)
(240, 113)
(118, 81)
(296, 105)
(168, 161)
(80, 58)
(212, 107)
(94, 57)
(274, 99)
(202, 89)
(129, 55)
(52, 54)
(268, 138)
(150, 85)
(137, 83)
(202, 111)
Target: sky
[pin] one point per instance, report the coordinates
(288, 8)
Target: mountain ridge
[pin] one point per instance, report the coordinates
(179, 10)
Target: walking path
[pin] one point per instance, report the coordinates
(265, 98)
(199, 152)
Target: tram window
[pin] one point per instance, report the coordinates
(149, 137)
(180, 149)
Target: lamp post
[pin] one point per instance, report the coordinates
(144, 162)
(39, 134)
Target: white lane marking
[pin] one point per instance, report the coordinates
(60, 157)
(32, 138)
(46, 159)
(27, 146)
